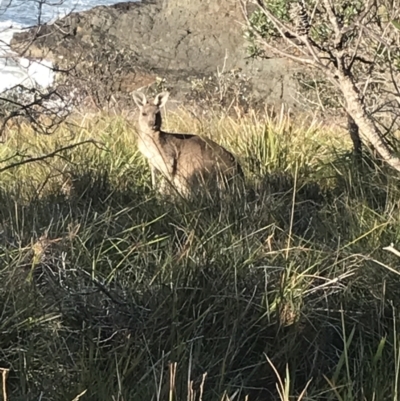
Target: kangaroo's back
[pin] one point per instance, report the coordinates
(205, 154)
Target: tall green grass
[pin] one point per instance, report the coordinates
(282, 289)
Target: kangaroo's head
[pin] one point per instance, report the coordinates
(150, 114)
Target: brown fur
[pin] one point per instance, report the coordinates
(185, 160)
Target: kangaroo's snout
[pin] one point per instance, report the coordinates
(155, 124)
(151, 118)
(152, 124)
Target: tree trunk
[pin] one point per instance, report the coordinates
(356, 110)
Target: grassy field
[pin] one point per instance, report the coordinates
(281, 290)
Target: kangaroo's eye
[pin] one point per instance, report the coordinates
(144, 114)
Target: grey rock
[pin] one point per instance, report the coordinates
(111, 51)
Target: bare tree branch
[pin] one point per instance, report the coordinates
(48, 155)
(351, 53)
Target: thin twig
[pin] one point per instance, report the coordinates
(313, 59)
(4, 374)
(48, 155)
(392, 249)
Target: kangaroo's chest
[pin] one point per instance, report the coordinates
(158, 154)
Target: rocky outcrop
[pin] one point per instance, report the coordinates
(188, 46)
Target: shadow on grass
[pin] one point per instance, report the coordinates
(124, 282)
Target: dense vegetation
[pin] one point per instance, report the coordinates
(110, 292)
(350, 56)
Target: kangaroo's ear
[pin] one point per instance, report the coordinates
(139, 98)
(161, 99)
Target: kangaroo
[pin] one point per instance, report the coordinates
(185, 160)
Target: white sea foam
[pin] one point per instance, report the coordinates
(16, 70)
(18, 14)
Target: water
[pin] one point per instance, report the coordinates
(18, 14)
